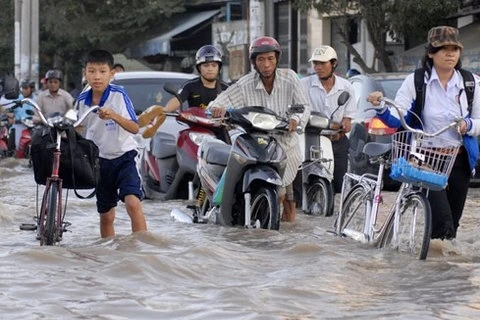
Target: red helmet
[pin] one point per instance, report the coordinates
(264, 44)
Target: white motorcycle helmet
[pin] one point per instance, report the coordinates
(323, 54)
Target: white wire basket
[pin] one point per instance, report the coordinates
(422, 161)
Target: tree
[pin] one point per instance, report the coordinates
(70, 28)
(394, 18)
(7, 18)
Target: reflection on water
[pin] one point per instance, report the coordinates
(188, 271)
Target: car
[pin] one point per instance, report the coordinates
(366, 127)
(145, 88)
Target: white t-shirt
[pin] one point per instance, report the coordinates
(112, 140)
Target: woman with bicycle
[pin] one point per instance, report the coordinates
(444, 97)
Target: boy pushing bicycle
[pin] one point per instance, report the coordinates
(112, 129)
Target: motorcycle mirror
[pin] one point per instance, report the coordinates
(343, 98)
(319, 121)
(71, 115)
(172, 89)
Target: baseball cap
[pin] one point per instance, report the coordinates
(444, 36)
(323, 54)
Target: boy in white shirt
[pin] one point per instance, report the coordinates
(112, 129)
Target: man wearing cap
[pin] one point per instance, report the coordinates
(444, 99)
(323, 89)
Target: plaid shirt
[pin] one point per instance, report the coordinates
(250, 91)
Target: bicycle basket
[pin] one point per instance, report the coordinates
(422, 161)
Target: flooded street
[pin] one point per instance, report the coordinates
(187, 271)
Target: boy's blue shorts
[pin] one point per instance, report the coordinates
(119, 177)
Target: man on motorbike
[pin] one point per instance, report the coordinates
(55, 99)
(274, 88)
(323, 89)
(198, 92)
(21, 113)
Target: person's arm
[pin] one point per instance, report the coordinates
(129, 125)
(350, 109)
(299, 97)
(473, 129)
(172, 105)
(232, 97)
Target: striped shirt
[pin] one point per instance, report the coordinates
(250, 91)
(327, 103)
(112, 140)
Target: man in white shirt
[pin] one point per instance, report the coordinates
(323, 89)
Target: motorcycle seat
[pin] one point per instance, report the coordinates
(218, 153)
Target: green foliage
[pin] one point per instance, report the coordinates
(70, 28)
(7, 18)
(396, 18)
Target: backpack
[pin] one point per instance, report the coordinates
(468, 83)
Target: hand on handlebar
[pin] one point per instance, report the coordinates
(218, 112)
(292, 125)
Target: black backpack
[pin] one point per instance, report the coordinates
(468, 82)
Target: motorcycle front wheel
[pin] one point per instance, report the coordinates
(265, 209)
(320, 197)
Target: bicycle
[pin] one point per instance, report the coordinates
(417, 160)
(50, 223)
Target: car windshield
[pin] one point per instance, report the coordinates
(390, 87)
(147, 92)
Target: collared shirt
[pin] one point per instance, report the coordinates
(250, 91)
(442, 105)
(327, 103)
(112, 140)
(60, 102)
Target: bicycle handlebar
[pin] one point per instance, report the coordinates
(74, 122)
(400, 111)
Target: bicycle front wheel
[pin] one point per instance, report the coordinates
(414, 228)
(49, 227)
(354, 210)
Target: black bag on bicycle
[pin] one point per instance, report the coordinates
(79, 163)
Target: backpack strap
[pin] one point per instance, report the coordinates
(419, 81)
(469, 84)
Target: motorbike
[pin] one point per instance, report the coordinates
(168, 160)
(317, 192)
(6, 139)
(23, 151)
(240, 181)
(7, 136)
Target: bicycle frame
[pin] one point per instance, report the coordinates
(50, 221)
(373, 184)
(54, 178)
(410, 198)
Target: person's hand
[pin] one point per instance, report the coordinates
(462, 127)
(292, 125)
(217, 112)
(374, 97)
(106, 113)
(346, 124)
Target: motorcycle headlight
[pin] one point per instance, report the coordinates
(317, 121)
(263, 121)
(197, 137)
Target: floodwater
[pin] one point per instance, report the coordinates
(188, 271)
